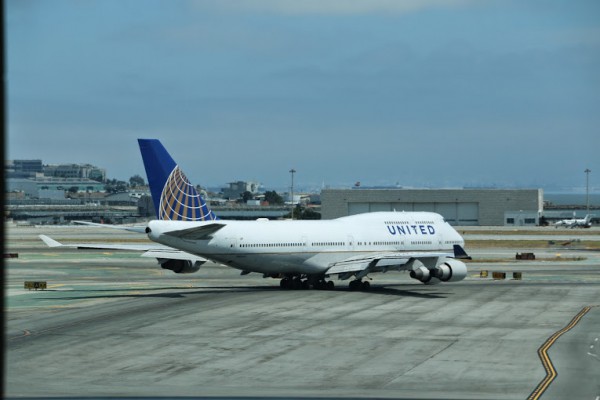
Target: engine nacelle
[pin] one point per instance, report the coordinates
(450, 270)
(180, 266)
(421, 273)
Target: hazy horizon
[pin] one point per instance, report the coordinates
(415, 93)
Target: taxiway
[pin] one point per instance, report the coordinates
(114, 324)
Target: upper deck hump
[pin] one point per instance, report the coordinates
(393, 216)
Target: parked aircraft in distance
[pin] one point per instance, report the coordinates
(302, 254)
(585, 222)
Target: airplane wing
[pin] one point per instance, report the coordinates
(387, 261)
(172, 254)
(394, 261)
(150, 250)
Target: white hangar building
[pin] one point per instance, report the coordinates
(461, 207)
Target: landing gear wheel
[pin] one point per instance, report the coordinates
(284, 283)
(359, 285)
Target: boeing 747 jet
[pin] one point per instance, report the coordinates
(302, 254)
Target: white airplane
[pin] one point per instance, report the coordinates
(302, 254)
(576, 222)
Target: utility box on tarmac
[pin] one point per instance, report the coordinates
(35, 285)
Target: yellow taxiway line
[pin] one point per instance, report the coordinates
(546, 362)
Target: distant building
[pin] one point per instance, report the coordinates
(145, 207)
(19, 169)
(28, 187)
(51, 194)
(296, 200)
(83, 171)
(33, 188)
(521, 218)
(488, 207)
(23, 168)
(236, 189)
(122, 199)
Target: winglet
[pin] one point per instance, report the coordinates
(460, 253)
(174, 197)
(50, 242)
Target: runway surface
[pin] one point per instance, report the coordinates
(114, 324)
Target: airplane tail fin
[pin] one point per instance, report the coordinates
(174, 197)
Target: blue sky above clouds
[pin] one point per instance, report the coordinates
(419, 93)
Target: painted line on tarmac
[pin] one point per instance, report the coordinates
(551, 373)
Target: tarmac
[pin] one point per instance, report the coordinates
(115, 324)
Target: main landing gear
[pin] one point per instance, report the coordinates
(297, 283)
(359, 285)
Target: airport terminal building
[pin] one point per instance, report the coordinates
(460, 207)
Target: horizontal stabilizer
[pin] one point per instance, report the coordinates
(103, 246)
(50, 242)
(109, 246)
(150, 249)
(202, 232)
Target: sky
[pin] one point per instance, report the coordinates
(415, 93)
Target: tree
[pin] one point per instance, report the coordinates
(115, 186)
(304, 213)
(110, 188)
(121, 187)
(273, 198)
(136, 180)
(246, 196)
(309, 213)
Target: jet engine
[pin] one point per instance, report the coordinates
(180, 266)
(421, 273)
(450, 270)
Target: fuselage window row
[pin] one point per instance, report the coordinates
(409, 223)
(330, 244)
(272, 245)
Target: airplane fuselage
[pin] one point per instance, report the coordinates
(310, 247)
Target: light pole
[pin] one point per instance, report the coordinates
(292, 171)
(587, 190)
